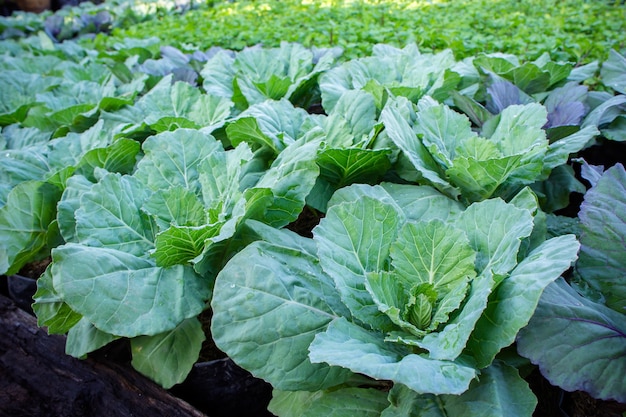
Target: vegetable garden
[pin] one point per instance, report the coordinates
(375, 220)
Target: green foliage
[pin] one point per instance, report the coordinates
(573, 30)
(162, 182)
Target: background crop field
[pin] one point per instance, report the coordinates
(572, 30)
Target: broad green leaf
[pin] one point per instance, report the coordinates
(168, 104)
(514, 301)
(220, 177)
(120, 156)
(24, 221)
(275, 124)
(167, 358)
(269, 302)
(336, 403)
(401, 133)
(354, 239)
(51, 311)
(110, 216)
(218, 74)
(499, 392)
(18, 137)
(495, 230)
(71, 148)
(480, 178)
(365, 352)
(404, 72)
(75, 187)
(263, 73)
(602, 256)
(432, 253)
(616, 130)
(519, 128)
(354, 75)
(417, 203)
(211, 111)
(181, 244)
(247, 129)
(404, 402)
(559, 151)
(351, 165)
(291, 178)
(19, 92)
(84, 338)
(352, 119)
(123, 294)
(173, 159)
(175, 206)
(391, 298)
(442, 130)
(605, 113)
(613, 72)
(578, 344)
(555, 191)
(21, 165)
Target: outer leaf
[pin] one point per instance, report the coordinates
(400, 131)
(515, 300)
(350, 346)
(350, 165)
(559, 151)
(125, 295)
(75, 187)
(270, 301)
(20, 165)
(407, 403)
(352, 119)
(24, 221)
(578, 344)
(220, 176)
(18, 94)
(442, 130)
(337, 403)
(499, 392)
(175, 206)
(50, 309)
(291, 178)
(613, 72)
(121, 156)
(495, 230)
(110, 216)
(268, 73)
(418, 203)
(181, 244)
(276, 124)
(167, 358)
(84, 338)
(602, 261)
(218, 74)
(354, 239)
(172, 159)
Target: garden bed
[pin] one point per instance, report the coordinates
(294, 232)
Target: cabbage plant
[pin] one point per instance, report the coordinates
(577, 336)
(402, 297)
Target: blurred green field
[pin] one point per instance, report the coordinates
(572, 30)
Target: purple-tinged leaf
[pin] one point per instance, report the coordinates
(578, 344)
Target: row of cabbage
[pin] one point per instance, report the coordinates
(165, 185)
(88, 19)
